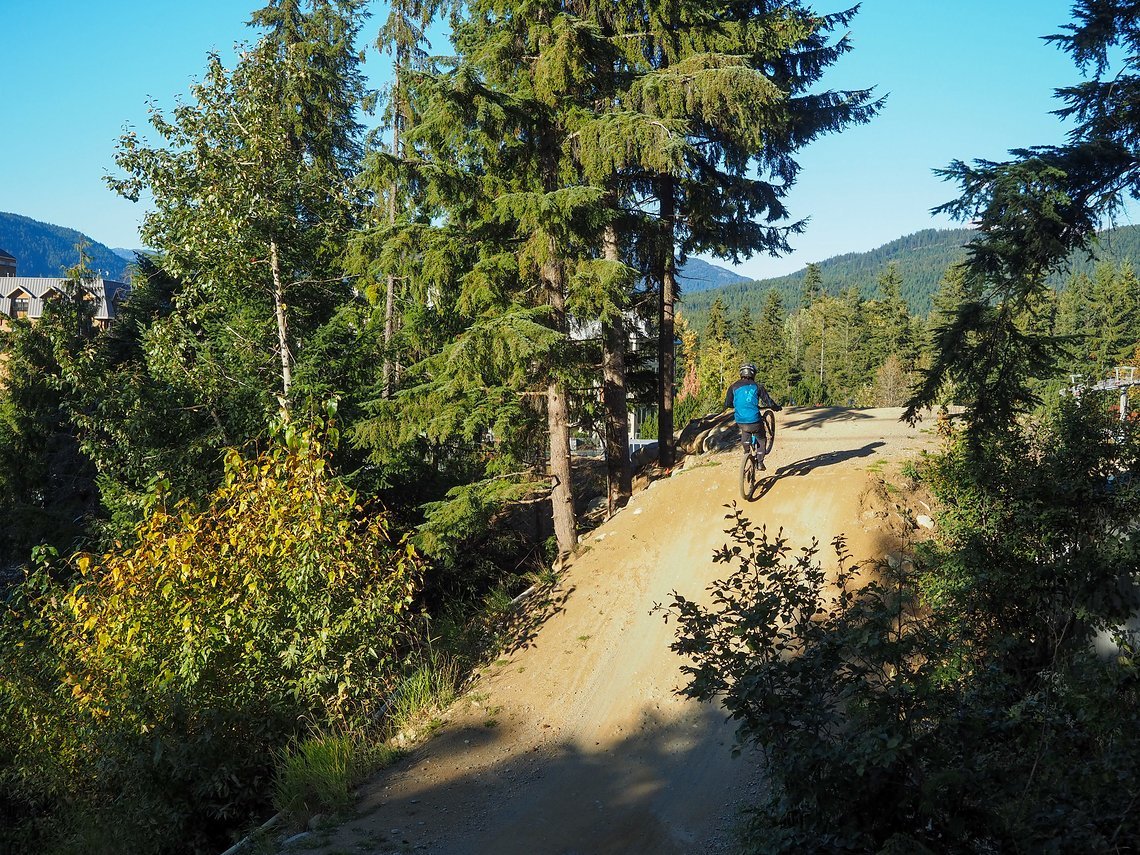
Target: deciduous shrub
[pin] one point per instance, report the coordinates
(168, 673)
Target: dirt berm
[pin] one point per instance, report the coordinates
(578, 742)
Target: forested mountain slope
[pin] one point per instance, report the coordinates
(921, 259)
(44, 249)
(697, 275)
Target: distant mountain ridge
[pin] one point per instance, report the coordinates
(696, 275)
(44, 249)
(922, 259)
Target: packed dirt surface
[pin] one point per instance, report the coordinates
(577, 742)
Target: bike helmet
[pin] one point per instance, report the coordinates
(748, 370)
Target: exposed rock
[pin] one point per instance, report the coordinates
(297, 839)
(596, 503)
(644, 456)
(695, 438)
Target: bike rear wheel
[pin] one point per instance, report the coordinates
(769, 431)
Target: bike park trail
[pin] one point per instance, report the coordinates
(576, 742)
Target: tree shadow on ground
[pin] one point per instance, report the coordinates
(671, 786)
(817, 418)
(808, 464)
(529, 616)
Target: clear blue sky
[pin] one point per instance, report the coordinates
(964, 80)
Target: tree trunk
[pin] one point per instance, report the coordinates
(391, 370)
(561, 492)
(614, 399)
(558, 426)
(666, 453)
(282, 328)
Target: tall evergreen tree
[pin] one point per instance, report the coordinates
(853, 365)
(404, 36)
(744, 330)
(812, 287)
(505, 138)
(771, 352)
(1032, 212)
(716, 328)
(740, 78)
(893, 333)
(1112, 315)
(1074, 323)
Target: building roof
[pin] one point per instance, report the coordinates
(7, 255)
(107, 294)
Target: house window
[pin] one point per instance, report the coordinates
(20, 307)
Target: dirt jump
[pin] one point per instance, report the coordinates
(578, 742)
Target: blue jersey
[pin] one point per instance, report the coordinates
(746, 398)
(746, 402)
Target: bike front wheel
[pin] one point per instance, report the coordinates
(769, 431)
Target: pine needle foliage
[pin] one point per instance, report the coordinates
(1032, 212)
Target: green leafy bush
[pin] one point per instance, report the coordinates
(152, 692)
(957, 703)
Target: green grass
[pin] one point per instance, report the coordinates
(318, 775)
(430, 686)
(315, 776)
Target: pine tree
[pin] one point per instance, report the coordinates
(812, 287)
(716, 328)
(1032, 212)
(504, 139)
(771, 352)
(744, 330)
(1073, 323)
(735, 78)
(404, 36)
(892, 333)
(1112, 316)
(854, 370)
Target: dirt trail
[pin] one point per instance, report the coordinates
(578, 743)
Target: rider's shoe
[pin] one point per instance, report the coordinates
(762, 467)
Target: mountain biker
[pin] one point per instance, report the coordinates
(746, 397)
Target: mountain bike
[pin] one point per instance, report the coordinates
(751, 461)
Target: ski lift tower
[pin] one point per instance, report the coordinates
(1123, 378)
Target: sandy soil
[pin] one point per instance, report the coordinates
(578, 743)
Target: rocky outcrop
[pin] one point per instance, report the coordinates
(712, 432)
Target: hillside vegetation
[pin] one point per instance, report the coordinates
(43, 249)
(921, 259)
(298, 486)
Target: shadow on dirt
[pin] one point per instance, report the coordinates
(670, 787)
(809, 464)
(522, 627)
(817, 418)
